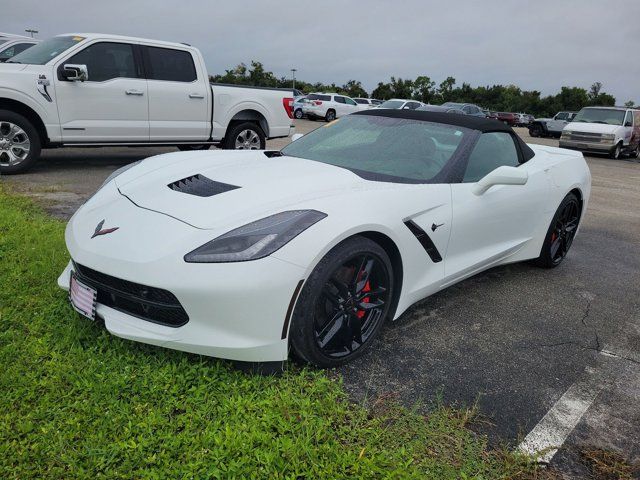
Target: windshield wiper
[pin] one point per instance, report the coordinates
(599, 121)
(11, 61)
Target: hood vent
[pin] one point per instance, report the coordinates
(200, 186)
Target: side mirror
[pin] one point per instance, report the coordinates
(296, 136)
(501, 176)
(75, 73)
(628, 124)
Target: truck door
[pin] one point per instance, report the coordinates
(111, 104)
(179, 95)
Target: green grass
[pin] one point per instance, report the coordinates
(76, 402)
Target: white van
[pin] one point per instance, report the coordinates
(611, 130)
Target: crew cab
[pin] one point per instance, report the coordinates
(610, 130)
(550, 127)
(11, 45)
(101, 90)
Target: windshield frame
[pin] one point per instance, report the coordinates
(449, 173)
(71, 40)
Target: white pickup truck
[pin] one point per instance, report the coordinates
(105, 90)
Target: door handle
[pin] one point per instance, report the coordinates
(196, 95)
(134, 92)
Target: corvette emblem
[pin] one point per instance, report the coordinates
(100, 231)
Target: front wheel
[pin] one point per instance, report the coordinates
(343, 304)
(616, 152)
(19, 143)
(561, 233)
(298, 113)
(330, 116)
(245, 136)
(535, 130)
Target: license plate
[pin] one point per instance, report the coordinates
(82, 297)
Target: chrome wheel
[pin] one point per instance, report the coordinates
(14, 144)
(247, 140)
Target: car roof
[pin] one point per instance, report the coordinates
(612, 108)
(106, 36)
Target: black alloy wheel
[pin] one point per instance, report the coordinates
(344, 304)
(561, 233)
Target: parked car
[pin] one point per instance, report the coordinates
(467, 108)
(366, 103)
(439, 108)
(311, 249)
(550, 127)
(329, 106)
(524, 119)
(298, 103)
(401, 104)
(93, 90)
(10, 46)
(377, 102)
(507, 118)
(611, 130)
(492, 115)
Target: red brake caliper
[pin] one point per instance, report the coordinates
(367, 288)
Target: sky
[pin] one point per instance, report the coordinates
(537, 45)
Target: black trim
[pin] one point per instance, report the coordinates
(292, 303)
(425, 241)
(200, 186)
(236, 85)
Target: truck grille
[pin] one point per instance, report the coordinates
(148, 303)
(583, 136)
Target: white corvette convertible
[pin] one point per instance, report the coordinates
(254, 255)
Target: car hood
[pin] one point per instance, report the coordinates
(254, 185)
(591, 127)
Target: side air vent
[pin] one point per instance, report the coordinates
(424, 240)
(200, 186)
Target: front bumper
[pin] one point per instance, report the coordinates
(235, 311)
(599, 147)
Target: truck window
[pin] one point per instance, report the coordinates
(170, 65)
(562, 116)
(628, 119)
(13, 50)
(107, 60)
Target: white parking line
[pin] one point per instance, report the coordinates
(551, 432)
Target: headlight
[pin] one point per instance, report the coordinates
(257, 239)
(609, 136)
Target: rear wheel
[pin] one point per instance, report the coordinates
(19, 143)
(561, 233)
(245, 136)
(535, 130)
(190, 148)
(343, 304)
(330, 116)
(298, 113)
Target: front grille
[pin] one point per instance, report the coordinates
(148, 303)
(200, 186)
(584, 136)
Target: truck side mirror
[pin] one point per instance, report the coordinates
(75, 73)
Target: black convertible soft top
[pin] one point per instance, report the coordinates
(466, 121)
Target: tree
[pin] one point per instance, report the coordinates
(629, 104)
(594, 91)
(445, 90)
(353, 88)
(424, 89)
(382, 91)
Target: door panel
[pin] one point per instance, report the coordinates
(178, 99)
(112, 105)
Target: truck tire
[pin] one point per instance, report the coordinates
(19, 143)
(298, 113)
(616, 151)
(535, 130)
(191, 148)
(245, 136)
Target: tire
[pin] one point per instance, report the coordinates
(560, 233)
(535, 131)
(330, 116)
(328, 329)
(191, 148)
(616, 152)
(635, 153)
(298, 114)
(245, 136)
(20, 143)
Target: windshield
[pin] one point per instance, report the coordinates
(600, 115)
(382, 148)
(392, 104)
(43, 52)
